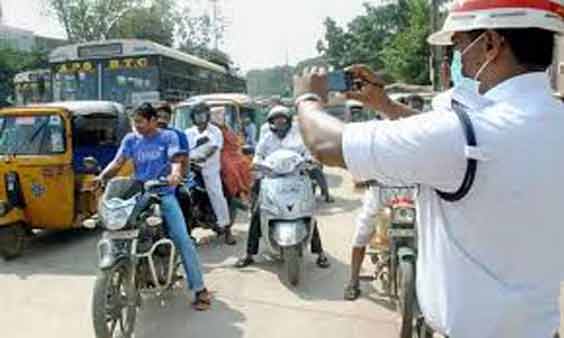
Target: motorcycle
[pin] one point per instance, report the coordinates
(194, 199)
(395, 261)
(286, 204)
(135, 255)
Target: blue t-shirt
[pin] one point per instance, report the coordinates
(182, 138)
(152, 155)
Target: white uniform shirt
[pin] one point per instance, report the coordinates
(489, 265)
(269, 143)
(216, 139)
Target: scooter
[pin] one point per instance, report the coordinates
(287, 205)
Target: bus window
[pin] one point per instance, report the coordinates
(126, 84)
(79, 85)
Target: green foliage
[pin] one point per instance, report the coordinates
(388, 37)
(13, 61)
(272, 81)
(196, 34)
(407, 55)
(91, 20)
(155, 23)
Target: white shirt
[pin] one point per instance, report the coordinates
(489, 265)
(269, 143)
(216, 140)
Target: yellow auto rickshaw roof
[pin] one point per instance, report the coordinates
(29, 110)
(87, 107)
(220, 98)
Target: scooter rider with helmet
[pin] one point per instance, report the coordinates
(210, 162)
(282, 134)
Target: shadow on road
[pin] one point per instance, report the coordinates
(177, 319)
(70, 252)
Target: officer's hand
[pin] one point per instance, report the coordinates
(312, 80)
(368, 88)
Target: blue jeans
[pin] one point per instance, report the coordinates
(179, 235)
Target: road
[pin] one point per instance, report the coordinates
(47, 292)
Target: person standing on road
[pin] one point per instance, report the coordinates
(489, 236)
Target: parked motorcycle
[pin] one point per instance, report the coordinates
(287, 206)
(135, 255)
(395, 261)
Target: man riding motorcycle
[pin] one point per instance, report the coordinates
(282, 134)
(210, 161)
(152, 150)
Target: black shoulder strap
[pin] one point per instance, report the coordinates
(472, 163)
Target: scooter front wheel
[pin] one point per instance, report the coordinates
(293, 263)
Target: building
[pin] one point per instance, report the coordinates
(23, 39)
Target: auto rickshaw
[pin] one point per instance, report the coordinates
(49, 155)
(236, 107)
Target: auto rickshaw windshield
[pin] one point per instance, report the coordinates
(32, 135)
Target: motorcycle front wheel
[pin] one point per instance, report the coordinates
(406, 296)
(113, 312)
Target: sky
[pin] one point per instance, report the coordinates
(261, 33)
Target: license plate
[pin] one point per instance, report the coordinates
(126, 234)
(401, 232)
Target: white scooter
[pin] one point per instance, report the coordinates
(287, 205)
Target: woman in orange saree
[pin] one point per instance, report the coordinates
(235, 167)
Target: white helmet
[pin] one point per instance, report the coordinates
(469, 15)
(279, 111)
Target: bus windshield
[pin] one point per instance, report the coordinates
(75, 86)
(131, 86)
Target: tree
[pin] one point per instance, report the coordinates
(91, 20)
(364, 37)
(13, 61)
(154, 23)
(196, 34)
(407, 55)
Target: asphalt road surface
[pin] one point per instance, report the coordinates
(47, 292)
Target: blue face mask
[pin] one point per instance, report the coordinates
(458, 77)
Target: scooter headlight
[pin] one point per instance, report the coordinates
(403, 215)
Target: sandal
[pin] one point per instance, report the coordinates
(352, 292)
(203, 301)
(243, 262)
(229, 239)
(323, 262)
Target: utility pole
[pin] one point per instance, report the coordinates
(435, 57)
(215, 32)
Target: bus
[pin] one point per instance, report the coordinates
(132, 71)
(33, 86)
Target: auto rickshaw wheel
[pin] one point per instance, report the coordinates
(12, 241)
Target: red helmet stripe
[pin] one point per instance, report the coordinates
(474, 5)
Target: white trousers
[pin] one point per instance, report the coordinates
(212, 180)
(365, 222)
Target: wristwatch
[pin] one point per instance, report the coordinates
(307, 97)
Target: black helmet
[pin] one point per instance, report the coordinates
(280, 111)
(199, 108)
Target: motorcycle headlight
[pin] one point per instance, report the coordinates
(116, 213)
(403, 215)
(4, 208)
